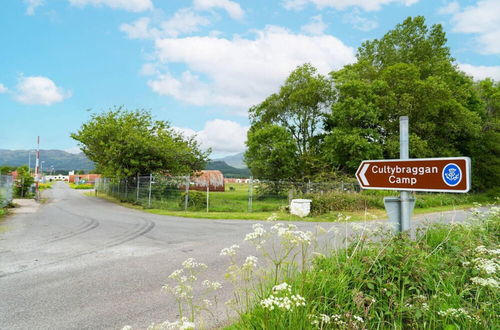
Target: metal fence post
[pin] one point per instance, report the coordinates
(137, 199)
(150, 182)
(126, 189)
(208, 192)
(186, 194)
(250, 193)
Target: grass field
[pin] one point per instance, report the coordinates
(234, 203)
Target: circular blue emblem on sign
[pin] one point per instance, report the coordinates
(452, 175)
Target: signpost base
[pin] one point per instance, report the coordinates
(393, 209)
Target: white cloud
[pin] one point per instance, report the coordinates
(315, 27)
(450, 8)
(359, 22)
(231, 7)
(3, 89)
(223, 136)
(480, 72)
(182, 22)
(482, 19)
(128, 5)
(238, 72)
(368, 5)
(32, 4)
(138, 29)
(39, 90)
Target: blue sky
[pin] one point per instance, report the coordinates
(199, 64)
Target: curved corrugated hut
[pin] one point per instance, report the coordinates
(213, 179)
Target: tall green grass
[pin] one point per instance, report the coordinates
(426, 282)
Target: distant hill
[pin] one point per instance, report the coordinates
(228, 171)
(61, 160)
(234, 160)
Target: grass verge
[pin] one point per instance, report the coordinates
(447, 277)
(370, 214)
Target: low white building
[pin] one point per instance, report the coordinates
(59, 177)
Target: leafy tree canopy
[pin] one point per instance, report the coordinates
(335, 122)
(299, 108)
(409, 72)
(126, 143)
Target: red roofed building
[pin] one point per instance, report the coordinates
(213, 179)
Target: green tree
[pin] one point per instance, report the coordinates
(485, 150)
(408, 72)
(126, 143)
(271, 153)
(298, 108)
(5, 169)
(23, 182)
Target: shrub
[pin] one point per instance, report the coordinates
(196, 200)
(338, 201)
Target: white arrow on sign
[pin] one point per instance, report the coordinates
(362, 174)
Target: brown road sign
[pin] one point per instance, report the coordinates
(424, 174)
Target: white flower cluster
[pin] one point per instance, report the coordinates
(250, 262)
(487, 266)
(182, 324)
(322, 320)
(456, 313)
(230, 251)
(290, 235)
(489, 282)
(282, 299)
(191, 263)
(483, 250)
(211, 285)
(283, 287)
(258, 232)
(283, 303)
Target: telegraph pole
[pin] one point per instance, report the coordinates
(37, 167)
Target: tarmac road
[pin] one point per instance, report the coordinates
(79, 262)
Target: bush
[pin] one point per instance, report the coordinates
(337, 201)
(196, 200)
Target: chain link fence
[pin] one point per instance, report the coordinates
(6, 186)
(183, 193)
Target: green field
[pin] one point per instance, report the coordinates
(234, 203)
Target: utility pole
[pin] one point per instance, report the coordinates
(36, 167)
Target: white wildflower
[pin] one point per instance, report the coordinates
(358, 318)
(282, 287)
(489, 282)
(176, 274)
(230, 251)
(250, 262)
(211, 285)
(486, 265)
(191, 263)
(258, 232)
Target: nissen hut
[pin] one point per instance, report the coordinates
(213, 179)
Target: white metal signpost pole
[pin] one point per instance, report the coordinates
(404, 153)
